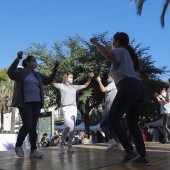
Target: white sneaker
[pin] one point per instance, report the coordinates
(119, 147)
(70, 149)
(19, 151)
(61, 147)
(36, 154)
(111, 146)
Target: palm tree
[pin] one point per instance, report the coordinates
(140, 6)
(5, 98)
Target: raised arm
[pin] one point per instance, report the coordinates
(49, 79)
(109, 54)
(102, 88)
(53, 84)
(160, 98)
(91, 75)
(13, 72)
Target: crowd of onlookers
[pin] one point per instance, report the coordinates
(80, 138)
(149, 134)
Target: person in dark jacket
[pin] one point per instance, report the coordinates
(28, 97)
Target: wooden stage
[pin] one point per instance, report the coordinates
(85, 157)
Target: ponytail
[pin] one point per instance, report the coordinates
(124, 41)
(134, 57)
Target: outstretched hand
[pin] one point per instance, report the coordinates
(98, 79)
(91, 75)
(19, 55)
(156, 95)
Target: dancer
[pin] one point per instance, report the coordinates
(110, 93)
(129, 98)
(162, 99)
(69, 106)
(28, 97)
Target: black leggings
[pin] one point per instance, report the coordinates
(129, 99)
(166, 118)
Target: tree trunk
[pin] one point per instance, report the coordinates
(87, 122)
(13, 120)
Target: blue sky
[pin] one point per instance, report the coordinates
(46, 21)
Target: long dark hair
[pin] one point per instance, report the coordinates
(26, 60)
(124, 41)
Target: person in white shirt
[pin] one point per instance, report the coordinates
(163, 98)
(69, 106)
(110, 93)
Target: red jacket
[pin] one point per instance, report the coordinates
(146, 136)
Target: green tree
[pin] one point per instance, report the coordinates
(3, 76)
(151, 78)
(164, 9)
(81, 57)
(6, 88)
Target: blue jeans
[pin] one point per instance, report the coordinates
(29, 115)
(129, 99)
(104, 126)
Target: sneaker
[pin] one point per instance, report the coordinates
(129, 157)
(36, 154)
(61, 147)
(119, 147)
(112, 146)
(70, 149)
(19, 151)
(165, 141)
(141, 160)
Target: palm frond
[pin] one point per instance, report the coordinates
(162, 18)
(140, 6)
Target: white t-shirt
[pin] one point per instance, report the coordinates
(68, 94)
(165, 108)
(123, 66)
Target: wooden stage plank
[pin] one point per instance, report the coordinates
(86, 157)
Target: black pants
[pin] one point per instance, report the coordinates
(166, 118)
(129, 99)
(29, 115)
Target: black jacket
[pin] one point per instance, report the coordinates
(19, 74)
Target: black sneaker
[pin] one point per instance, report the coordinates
(165, 141)
(129, 156)
(141, 160)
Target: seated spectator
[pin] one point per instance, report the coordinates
(99, 137)
(154, 133)
(146, 135)
(75, 139)
(85, 140)
(45, 140)
(55, 139)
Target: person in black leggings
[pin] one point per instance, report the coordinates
(129, 98)
(28, 97)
